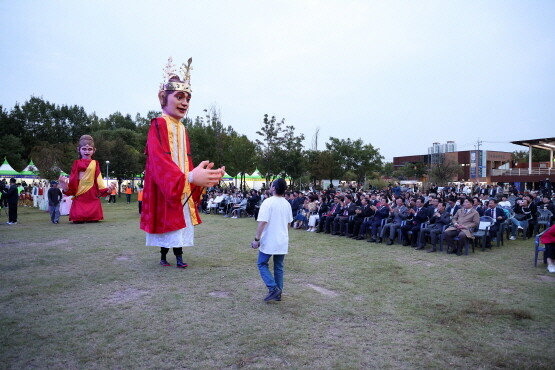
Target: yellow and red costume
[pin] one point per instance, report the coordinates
(166, 182)
(86, 191)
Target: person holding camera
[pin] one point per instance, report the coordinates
(272, 238)
(523, 215)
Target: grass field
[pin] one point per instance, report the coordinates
(93, 296)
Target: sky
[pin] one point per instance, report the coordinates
(399, 75)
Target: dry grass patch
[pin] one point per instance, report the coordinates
(491, 308)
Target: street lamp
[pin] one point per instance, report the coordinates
(107, 170)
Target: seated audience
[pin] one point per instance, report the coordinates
(466, 219)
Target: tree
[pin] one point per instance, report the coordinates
(118, 120)
(75, 120)
(538, 155)
(443, 171)
(242, 159)
(355, 156)
(125, 160)
(47, 158)
(412, 170)
(120, 135)
(270, 150)
(12, 149)
(321, 165)
(388, 169)
(10, 125)
(209, 139)
(293, 158)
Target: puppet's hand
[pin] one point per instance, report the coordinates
(64, 181)
(204, 175)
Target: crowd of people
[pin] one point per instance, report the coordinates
(47, 196)
(38, 194)
(403, 215)
(233, 203)
(448, 215)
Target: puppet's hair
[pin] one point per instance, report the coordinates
(86, 140)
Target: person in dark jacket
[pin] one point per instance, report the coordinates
(497, 213)
(521, 219)
(440, 218)
(420, 215)
(381, 212)
(12, 195)
(54, 198)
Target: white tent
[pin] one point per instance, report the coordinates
(6, 170)
(30, 172)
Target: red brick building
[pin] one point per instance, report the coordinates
(494, 166)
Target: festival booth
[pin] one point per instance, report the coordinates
(252, 181)
(228, 180)
(29, 172)
(255, 180)
(39, 186)
(7, 171)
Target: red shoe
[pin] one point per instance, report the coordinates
(164, 263)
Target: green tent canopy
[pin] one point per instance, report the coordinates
(6, 170)
(30, 172)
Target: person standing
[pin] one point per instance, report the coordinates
(12, 195)
(113, 193)
(140, 198)
(272, 238)
(3, 194)
(54, 198)
(128, 192)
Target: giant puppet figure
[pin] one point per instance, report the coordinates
(172, 185)
(85, 184)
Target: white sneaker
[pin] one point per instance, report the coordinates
(520, 228)
(551, 268)
(512, 238)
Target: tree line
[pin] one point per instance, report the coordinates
(48, 134)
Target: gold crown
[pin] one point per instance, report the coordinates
(184, 76)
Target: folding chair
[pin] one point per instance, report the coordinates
(544, 218)
(483, 231)
(539, 249)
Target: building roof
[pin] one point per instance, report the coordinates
(547, 143)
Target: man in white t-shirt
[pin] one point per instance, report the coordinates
(272, 236)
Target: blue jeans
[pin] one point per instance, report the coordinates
(271, 281)
(54, 213)
(516, 223)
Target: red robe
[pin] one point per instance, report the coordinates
(164, 183)
(85, 207)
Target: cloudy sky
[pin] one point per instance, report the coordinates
(397, 74)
